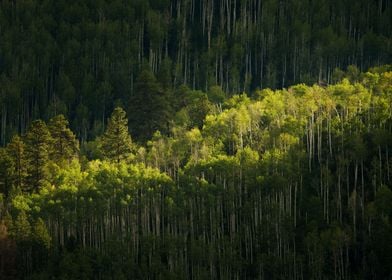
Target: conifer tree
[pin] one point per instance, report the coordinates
(149, 108)
(38, 141)
(16, 151)
(116, 141)
(65, 146)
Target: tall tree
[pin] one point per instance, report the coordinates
(149, 107)
(38, 141)
(65, 146)
(16, 150)
(116, 141)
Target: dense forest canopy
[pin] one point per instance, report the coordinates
(287, 184)
(195, 139)
(83, 58)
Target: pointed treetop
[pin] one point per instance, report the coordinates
(116, 141)
(38, 142)
(65, 146)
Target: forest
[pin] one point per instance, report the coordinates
(82, 58)
(292, 183)
(195, 139)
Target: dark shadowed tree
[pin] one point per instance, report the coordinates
(16, 150)
(149, 107)
(6, 172)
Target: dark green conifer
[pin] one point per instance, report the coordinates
(65, 146)
(116, 141)
(16, 151)
(149, 108)
(38, 141)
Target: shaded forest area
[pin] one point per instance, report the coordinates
(82, 58)
(288, 184)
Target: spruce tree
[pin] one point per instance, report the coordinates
(16, 151)
(149, 107)
(38, 141)
(65, 146)
(116, 142)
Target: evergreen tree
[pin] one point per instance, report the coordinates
(16, 150)
(38, 141)
(116, 141)
(149, 108)
(65, 146)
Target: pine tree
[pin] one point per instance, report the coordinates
(65, 146)
(149, 108)
(38, 141)
(16, 150)
(116, 141)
